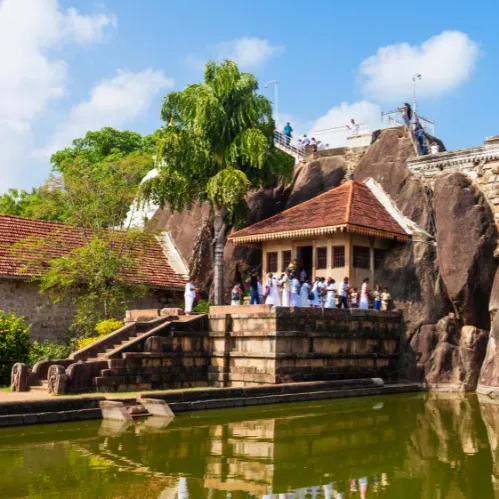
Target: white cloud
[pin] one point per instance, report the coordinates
(30, 75)
(248, 52)
(445, 62)
(112, 102)
(362, 112)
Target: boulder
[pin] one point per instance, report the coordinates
(467, 238)
(385, 162)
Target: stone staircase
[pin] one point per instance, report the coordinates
(120, 360)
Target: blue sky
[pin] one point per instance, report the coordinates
(67, 66)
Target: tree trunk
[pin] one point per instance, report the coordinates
(219, 228)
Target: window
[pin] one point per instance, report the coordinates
(378, 257)
(271, 262)
(361, 257)
(286, 259)
(338, 256)
(321, 258)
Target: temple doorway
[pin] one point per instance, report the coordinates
(305, 259)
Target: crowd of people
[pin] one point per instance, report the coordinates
(294, 289)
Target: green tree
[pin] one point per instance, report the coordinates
(95, 276)
(216, 146)
(99, 157)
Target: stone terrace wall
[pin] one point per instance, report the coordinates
(480, 163)
(50, 322)
(297, 344)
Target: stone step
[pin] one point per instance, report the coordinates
(38, 388)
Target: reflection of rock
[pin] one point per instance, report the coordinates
(489, 376)
(467, 238)
(458, 355)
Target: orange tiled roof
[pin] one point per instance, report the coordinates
(152, 267)
(352, 207)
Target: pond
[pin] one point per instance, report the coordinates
(402, 446)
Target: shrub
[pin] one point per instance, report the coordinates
(103, 328)
(108, 326)
(14, 346)
(47, 350)
(203, 306)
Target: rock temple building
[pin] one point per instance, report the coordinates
(341, 233)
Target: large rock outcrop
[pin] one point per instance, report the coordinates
(467, 238)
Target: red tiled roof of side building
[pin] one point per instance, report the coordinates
(151, 266)
(352, 204)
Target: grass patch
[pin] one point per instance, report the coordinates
(4, 388)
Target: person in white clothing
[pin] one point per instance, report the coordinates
(303, 274)
(260, 290)
(322, 288)
(295, 290)
(272, 291)
(353, 127)
(316, 292)
(285, 288)
(364, 294)
(330, 294)
(321, 146)
(236, 295)
(435, 149)
(304, 292)
(189, 296)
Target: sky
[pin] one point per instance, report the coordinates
(70, 66)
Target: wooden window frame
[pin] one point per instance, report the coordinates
(285, 261)
(270, 256)
(321, 254)
(379, 254)
(337, 251)
(366, 257)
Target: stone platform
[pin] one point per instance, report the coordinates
(260, 344)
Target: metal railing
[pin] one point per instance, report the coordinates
(394, 118)
(289, 144)
(360, 129)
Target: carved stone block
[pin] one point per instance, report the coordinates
(57, 379)
(19, 378)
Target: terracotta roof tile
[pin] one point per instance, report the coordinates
(152, 267)
(352, 204)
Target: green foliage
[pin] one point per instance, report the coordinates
(14, 346)
(108, 326)
(218, 142)
(47, 350)
(203, 306)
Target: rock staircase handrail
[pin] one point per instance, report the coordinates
(157, 331)
(121, 334)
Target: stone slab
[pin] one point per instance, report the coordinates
(114, 410)
(241, 309)
(157, 407)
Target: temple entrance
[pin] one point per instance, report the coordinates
(305, 259)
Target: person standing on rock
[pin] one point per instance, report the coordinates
(406, 113)
(385, 300)
(353, 127)
(189, 296)
(315, 294)
(364, 294)
(261, 297)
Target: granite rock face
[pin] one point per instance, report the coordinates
(467, 238)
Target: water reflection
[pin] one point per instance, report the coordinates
(412, 446)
